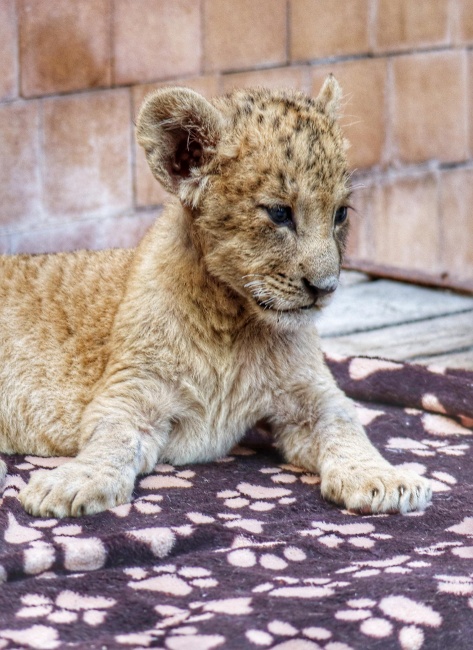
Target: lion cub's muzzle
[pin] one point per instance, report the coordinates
(317, 292)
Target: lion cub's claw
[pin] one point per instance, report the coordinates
(371, 490)
(75, 489)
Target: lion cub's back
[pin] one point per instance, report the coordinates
(56, 313)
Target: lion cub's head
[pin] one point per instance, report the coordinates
(264, 174)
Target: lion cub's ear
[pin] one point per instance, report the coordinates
(179, 131)
(329, 97)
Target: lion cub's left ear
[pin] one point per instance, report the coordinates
(330, 97)
(179, 131)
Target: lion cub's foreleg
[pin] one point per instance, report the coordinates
(322, 433)
(119, 442)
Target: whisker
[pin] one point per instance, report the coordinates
(254, 283)
(358, 186)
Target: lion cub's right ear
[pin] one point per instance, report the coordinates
(179, 131)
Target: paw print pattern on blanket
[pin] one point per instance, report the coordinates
(177, 628)
(256, 497)
(169, 580)
(263, 498)
(280, 635)
(167, 476)
(427, 447)
(358, 534)
(67, 607)
(395, 615)
(267, 555)
(465, 528)
(460, 549)
(44, 539)
(371, 568)
(208, 553)
(300, 588)
(456, 585)
(35, 636)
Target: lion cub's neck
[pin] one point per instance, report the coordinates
(171, 262)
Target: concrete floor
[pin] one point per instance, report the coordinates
(395, 320)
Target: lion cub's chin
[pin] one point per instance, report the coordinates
(290, 319)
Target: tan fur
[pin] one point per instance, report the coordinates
(170, 352)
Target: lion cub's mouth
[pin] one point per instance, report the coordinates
(290, 310)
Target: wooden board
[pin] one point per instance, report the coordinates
(409, 341)
(462, 360)
(372, 305)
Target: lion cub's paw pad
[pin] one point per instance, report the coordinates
(74, 489)
(377, 489)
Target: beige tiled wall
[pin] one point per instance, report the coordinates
(73, 75)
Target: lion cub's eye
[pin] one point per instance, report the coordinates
(281, 215)
(341, 215)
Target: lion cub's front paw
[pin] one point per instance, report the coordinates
(76, 489)
(375, 489)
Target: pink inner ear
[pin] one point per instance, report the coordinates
(188, 154)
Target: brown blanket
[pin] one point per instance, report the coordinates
(244, 553)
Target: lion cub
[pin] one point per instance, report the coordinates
(172, 351)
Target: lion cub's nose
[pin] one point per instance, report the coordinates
(322, 287)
